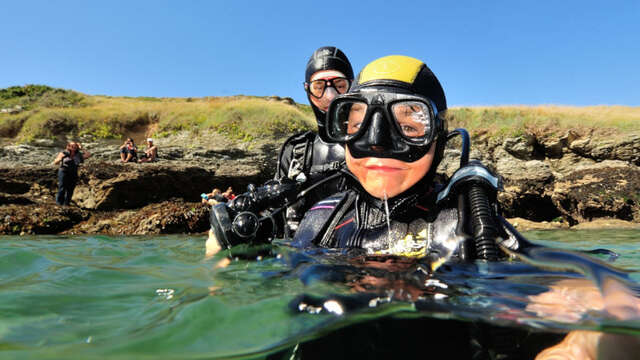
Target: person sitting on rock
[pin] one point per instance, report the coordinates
(150, 153)
(229, 193)
(214, 197)
(128, 151)
(69, 160)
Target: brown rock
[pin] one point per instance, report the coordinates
(168, 217)
(526, 225)
(609, 189)
(39, 218)
(607, 224)
(521, 147)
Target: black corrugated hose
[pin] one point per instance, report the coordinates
(485, 231)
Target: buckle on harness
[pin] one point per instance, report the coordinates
(295, 168)
(333, 166)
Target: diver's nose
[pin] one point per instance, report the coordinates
(378, 136)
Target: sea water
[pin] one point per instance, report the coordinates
(83, 297)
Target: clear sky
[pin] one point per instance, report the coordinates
(484, 52)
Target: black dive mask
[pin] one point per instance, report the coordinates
(376, 122)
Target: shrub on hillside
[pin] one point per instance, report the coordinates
(31, 96)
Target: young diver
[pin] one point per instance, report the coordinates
(392, 126)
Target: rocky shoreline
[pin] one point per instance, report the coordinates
(558, 181)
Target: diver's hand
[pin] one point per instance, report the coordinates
(592, 345)
(212, 245)
(568, 300)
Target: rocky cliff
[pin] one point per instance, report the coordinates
(561, 180)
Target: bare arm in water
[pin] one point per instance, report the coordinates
(568, 300)
(212, 246)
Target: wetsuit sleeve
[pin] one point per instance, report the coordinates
(284, 159)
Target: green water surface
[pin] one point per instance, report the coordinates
(82, 297)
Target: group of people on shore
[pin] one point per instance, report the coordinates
(129, 152)
(73, 155)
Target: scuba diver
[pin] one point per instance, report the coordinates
(394, 131)
(310, 157)
(308, 167)
(393, 127)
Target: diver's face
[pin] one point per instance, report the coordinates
(385, 177)
(330, 92)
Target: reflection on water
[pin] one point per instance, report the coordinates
(124, 297)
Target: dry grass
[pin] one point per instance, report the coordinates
(242, 118)
(245, 118)
(547, 120)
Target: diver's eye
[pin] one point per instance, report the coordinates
(356, 116)
(413, 118)
(353, 127)
(410, 130)
(341, 85)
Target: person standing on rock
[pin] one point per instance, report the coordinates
(69, 160)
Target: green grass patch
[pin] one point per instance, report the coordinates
(34, 96)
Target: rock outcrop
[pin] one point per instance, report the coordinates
(563, 180)
(571, 178)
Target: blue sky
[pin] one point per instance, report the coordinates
(484, 52)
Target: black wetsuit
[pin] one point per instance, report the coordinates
(68, 177)
(429, 338)
(355, 220)
(307, 159)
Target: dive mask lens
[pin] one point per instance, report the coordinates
(413, 119)
(317, 87)
(341, 85)
(346, 119)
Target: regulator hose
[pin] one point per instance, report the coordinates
(484, 227)
(483, 224)
(464, 136)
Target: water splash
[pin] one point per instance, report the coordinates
(386, 209)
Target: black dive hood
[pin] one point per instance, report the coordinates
(326, 58)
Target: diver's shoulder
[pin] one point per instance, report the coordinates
(299, 137)
(333, 200)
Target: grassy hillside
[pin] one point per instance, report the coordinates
(547, 119)
(45, 112)
(238, 117)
